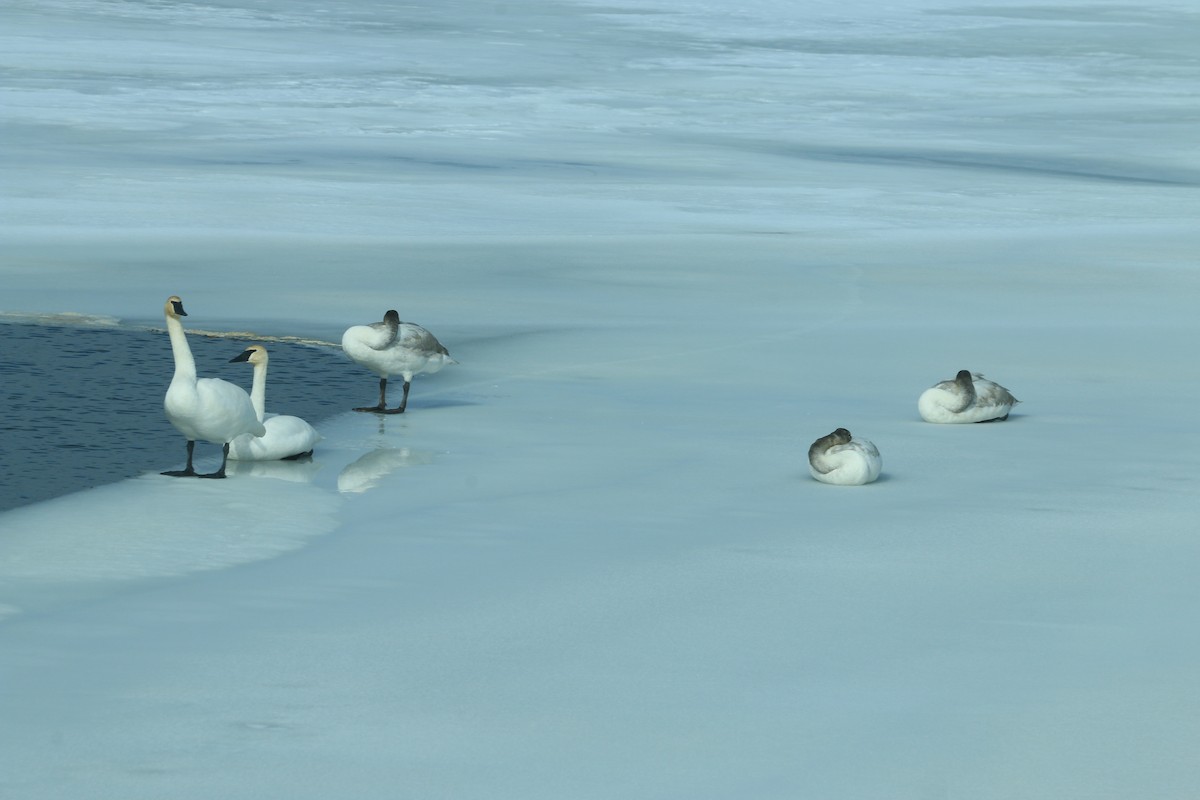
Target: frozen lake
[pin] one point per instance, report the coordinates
(671, 244)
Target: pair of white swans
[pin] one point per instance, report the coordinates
(217, 411)
(845, 460)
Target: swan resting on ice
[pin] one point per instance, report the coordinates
(287, 437)
(207, 409)
(844, 460)
(969, 397)
(391, 348)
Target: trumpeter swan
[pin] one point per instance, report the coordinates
(393, 347)
(286, 436)
(969, 397)
(841, 459)
(209, 409)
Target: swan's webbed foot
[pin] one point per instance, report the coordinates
(381, 410)
(301, 456)
(180, 473)
(224, 460)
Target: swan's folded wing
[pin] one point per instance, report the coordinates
(415, 337)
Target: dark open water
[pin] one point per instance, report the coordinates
(81, 406)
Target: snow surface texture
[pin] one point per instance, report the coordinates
(670, 244)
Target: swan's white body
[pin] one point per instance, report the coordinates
(204, 409)
(969, 397)
(844, 460)
(285, 437)
(391, 348)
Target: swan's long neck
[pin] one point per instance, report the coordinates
(258, 391)
(966, 392)
(816, 457)
(817, 453)
(185, 365)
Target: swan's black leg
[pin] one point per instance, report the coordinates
(399, 409)
(224, 460)
(382, 407)
(187, 471)
(379, 409)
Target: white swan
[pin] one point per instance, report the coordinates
(841, 459)
(210, 409)
(393, 347)
(968, 398)
(286, 436)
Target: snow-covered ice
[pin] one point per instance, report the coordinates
(670, 244)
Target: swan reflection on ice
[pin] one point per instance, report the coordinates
(371, 468)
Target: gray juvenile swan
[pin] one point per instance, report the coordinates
(969, 397)
(208, 409)
(843, 460)
(391, 348)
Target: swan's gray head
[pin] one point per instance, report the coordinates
(964, 378)
(254, 354)
(174, 307)
(840, 436)
(391, 318)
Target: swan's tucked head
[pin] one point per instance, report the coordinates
(174, 307)
(963, 378)
(254, 354)
(822, 445)
(391, 318)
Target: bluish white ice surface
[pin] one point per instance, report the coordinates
(670, 243)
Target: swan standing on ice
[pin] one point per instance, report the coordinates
(210, 409)
(841, 459)
(968, 398)
(393, 347)
(286, 436)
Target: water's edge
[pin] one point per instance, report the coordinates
(83, 397)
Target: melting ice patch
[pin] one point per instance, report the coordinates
(156, 527)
